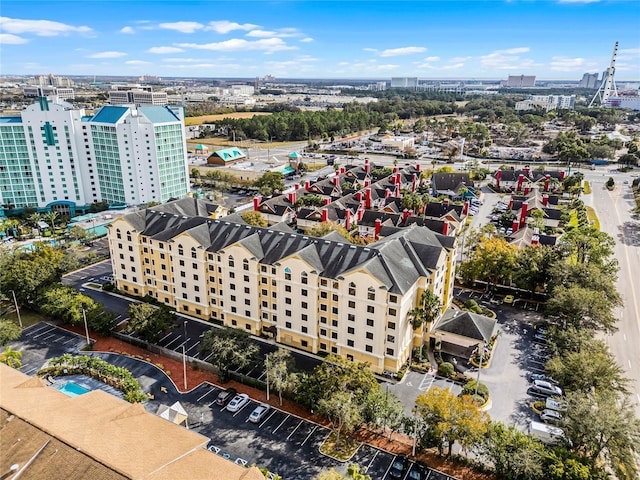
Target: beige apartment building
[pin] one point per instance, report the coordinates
(322, 295)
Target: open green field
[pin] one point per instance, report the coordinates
(593, 218)
(28, 317)
(189, 121)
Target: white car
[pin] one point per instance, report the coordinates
(238, 402)
(550, 416)
(545, 388)
(259, 413)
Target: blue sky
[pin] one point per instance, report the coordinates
(560, 39)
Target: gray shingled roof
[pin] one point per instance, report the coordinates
(466, 324)
(397, 261)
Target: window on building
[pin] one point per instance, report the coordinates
(304, 278)
(287, 313)
(392, 312)
(393, 299)
(351, 317)
(371, 309)
(371, 293)
(350, 343)
(287, 324)
(303, 329)
(323, 295)
(245, 264)
(334, 335)
(391, 325)
(369, 335)
(351, 330)
(352, 304)
(231, 261)
(303, 292)
(391, 339)
(390, 352)
(287, 273)
(352, 289)
(287, 288)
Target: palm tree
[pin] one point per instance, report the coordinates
(11, 357)
(427, 310)
(33, 219)
(50, 218)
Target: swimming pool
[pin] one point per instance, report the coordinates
(73, 389)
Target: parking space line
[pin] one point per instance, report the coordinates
(207, 358)
(52, 335)
(374, 457)
(389, 467)
(194, 346)
(294, 430)
(43, 333)
(245, 406)
(167, 335)
(310, 433)
(262, 374)
(38, 329)
(285, 419)
(269, 417)
(32, 370)
(177, 338)
(202, 396)
(68, 341)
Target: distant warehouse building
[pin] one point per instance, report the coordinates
(520, 81)
(547, 102)
(404, 82)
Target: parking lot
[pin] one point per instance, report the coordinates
(282, 442)
(42, 341)
(97, 273)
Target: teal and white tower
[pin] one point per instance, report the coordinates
(55, 157)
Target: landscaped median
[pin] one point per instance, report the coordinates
(94, 367)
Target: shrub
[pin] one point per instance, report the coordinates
(446, 369)
(470, 389)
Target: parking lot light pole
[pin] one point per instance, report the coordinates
(15, 302)
(266, 364)
(184, 355)
(86, 327)
(481, 346)
(415, 432)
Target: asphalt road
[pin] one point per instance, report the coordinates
(613, 210)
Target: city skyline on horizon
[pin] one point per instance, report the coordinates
(553, 40)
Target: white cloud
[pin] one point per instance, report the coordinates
(280, 33)
(107, 55)
(307, 40)
(268, 45)
(180, 60)
(506, 59)
(225, 26)
(41, 28)
(565, 64)
(163, 50)
(9, 39)
(137, 62)
(394, 52)
(432, 59)
(459, 59)
(184, 27)
(127, 30)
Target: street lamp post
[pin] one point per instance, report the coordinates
(184, 355)
(266, 364)
(15, 302)
(481, 345)
(415, 433)
(86, 327)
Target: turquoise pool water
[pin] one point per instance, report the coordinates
(73, 389)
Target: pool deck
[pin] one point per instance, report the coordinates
(87, 382)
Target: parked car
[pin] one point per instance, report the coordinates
(225, 396)
(550, 416)
(508, 299)
(415, 474)
(398, 466)
(556, 405)
(238, 402)
(541, 376)
(545, 388)
(540, 337)
(259, 413)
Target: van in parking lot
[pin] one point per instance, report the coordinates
(547, 434)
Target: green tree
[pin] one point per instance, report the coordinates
(51, 218)
(588, 368)
(601, 423)
(149, 322)
(590, 245)
(533, 267)
(270, 182)
(11, 357)
(514, 454)
(254, 218)
(450, 419)
(427, 310)
(493, 261)
(77, 233)
(382, 409)
(582, 308)
(9, 331)
(343, 412)
(336, 374)
(228, 349)
(278, 367)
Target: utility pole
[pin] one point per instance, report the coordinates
(481, 345)
(15, 302)
(266, 364)
(184, 355)
(86, 327)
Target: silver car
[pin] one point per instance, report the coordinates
(238, 402)
(259, 413)
(550, 416)
(545, 388)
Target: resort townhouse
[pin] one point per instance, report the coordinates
(322, 295)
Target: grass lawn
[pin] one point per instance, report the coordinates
(28, 317)
(573, 220)
(188, 121)
(587, 187)
(593, 218)
(348, 447)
